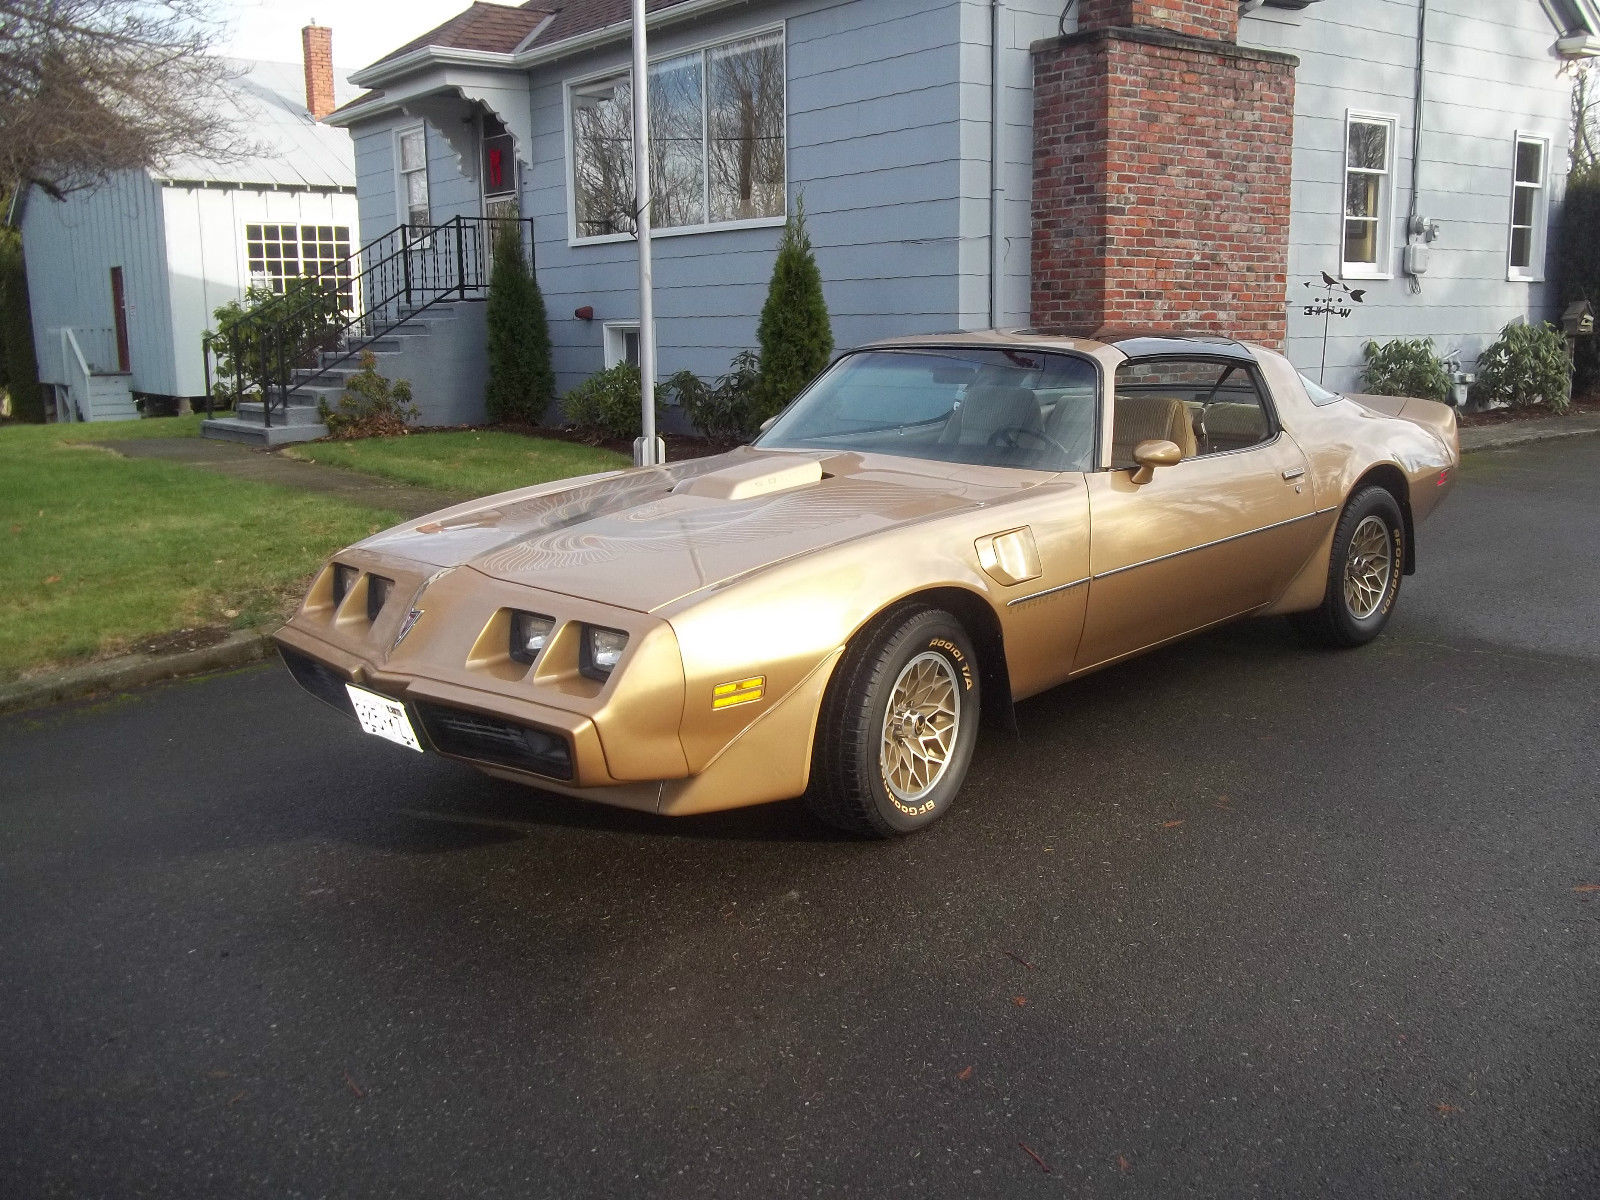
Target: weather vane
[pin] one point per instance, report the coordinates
(1335, 301)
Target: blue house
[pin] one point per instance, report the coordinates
(1430, 144)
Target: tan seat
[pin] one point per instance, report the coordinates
(1139, 418)
(1231, 425)
(987, 410)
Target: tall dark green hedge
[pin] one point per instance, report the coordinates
(795, 334)
(16, 332)
(1579, 264)
(521, 380)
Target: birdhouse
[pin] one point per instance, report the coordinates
(1578, 320)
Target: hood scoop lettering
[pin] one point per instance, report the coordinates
(747, 480)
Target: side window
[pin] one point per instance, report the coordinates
(1203, 405)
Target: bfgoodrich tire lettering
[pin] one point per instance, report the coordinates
(898, 725)
(1364, 571)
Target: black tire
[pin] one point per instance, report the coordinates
(850, 786)
(1343, 621)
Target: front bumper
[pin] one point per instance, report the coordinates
(765, 761)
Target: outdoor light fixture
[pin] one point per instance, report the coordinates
(600, 651)
(530, 632)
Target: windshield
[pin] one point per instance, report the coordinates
(996, 408)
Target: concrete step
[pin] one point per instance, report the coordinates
(378, 346)
(296, 414)
(253, 433)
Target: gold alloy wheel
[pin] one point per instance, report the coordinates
(1368, 569)
(920, 726)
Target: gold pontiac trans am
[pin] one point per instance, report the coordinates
(936, 528)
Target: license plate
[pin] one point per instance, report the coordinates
(383, 716)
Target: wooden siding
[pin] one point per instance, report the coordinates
(874, 147)
(207, 262)
(71, 246)
(1491, 74)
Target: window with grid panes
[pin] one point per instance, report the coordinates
(278, 253)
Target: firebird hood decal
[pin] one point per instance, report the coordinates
(630, 540)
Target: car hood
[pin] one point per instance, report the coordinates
(644, 538)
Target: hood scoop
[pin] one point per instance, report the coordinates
(747, 480)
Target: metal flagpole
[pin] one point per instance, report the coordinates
(647, 450)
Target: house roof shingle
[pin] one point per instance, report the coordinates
(493, 28)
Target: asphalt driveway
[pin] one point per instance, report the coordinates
(1234, 919)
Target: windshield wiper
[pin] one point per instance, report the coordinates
(884, 428)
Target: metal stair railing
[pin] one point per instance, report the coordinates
(324, 320)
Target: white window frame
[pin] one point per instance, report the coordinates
(1539, 232)
(614, 343)
(1384, 267)
(580, 81)
(402, 196)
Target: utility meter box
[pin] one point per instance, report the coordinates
(1416, 258)
(1578, 320)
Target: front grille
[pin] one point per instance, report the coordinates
(321, 681)
(497, 742)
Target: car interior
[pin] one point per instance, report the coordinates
(1202, 407)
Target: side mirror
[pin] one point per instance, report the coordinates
(769, 423)
(1152, 453)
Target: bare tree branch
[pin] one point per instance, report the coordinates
(92, 87)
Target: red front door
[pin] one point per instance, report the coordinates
(119, 311)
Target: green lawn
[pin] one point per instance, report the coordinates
(463, 461)
(101, 551)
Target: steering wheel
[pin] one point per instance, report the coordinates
(1009, 437)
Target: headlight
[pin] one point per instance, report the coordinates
(377, 595)
(529, 633)
(601, 649)
(344, 578)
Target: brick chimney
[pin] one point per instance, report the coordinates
(1161, 165)
(1217, 19)
(317, 41)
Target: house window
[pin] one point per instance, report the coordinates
(414, 177)
(622, 343)
(1529, 211)
(499, 160)
(279, 253)
(717, 143)
(1368, 191)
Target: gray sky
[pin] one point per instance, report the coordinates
(363, 30)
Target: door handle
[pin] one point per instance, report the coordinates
(1294, 473)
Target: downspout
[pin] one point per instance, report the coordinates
(1414, 225)
(997, 249)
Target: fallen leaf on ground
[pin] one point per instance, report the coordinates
(967, 1074)
(1019, 958)
(52, 579)
(16, 529)
(235, 1099)
(1122, 1163)
(1034, 1154)
(351, 1084)
(1019, 1001)
(1447, 1109)
(230, 613)
(1170, 824)
(1587, 887)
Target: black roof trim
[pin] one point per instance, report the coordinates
(1158, 346)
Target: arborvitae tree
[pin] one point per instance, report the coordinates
(521, 381)
(796, 338)
(16, 332)
(1579, 263)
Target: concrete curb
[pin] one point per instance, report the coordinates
(134, 670)
(1504, 437)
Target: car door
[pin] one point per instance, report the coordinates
(1213, 536)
